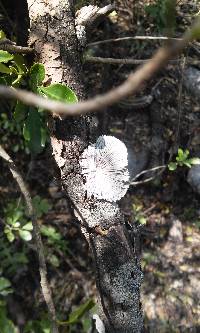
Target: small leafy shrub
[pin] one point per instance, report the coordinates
(6, 325)
(27, 121)
(57, 245)
(5, 286)
(12, 260)
(79, 315)
(16, 223)
(16, 220)
(183, 159)
(137, 209)
(25, 128)
(41, 206)
(11, 133)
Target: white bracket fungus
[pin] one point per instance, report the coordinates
(105, 168)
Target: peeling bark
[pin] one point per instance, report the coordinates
(52, 34)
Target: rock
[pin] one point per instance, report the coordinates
(176, 232)
(137, 161)
(193, 178)
(191, 81)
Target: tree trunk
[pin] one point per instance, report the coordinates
(53, 35)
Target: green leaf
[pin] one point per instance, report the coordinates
(186, 153)
(194, 160)
(17, 214)
(10, 236)
(51, 233)
(182, 156)
(187, 163)
(60, 92)
(26, 132)
(16, 224)
(28, 226)
(6, 325)
(4, 69)
(44, 206)
(5, 56)
(2, 34)
(77, 314)
(20, 63)
(25, 235)
(5, 287)
(172, 166)
(142, 220)
(20, 112)
(4, 283)
(180, 153)
(80, 311)
(53, 259)
(32, 131)
(38, 326)
(37, 75)
(41, 205)
(44, 136)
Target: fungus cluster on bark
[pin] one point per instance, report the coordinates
(105, 168)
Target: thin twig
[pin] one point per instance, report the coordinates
(8, 45)
(36, 233)
(114, 61)
(148, 210)
(133, 102)
(130, 61)
(132, 182)
(114, 40)
(147, 180)
(87, 15)
(127, 88)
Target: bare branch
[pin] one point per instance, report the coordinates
(115, 40)
(162, 167)
(36, 232)
(122, 61)
(8, 45)
(129, 87)
(87, 15)
(133, 102)
(130, 61)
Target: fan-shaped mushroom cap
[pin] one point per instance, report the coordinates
(105, 167)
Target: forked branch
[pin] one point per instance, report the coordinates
(127, 88)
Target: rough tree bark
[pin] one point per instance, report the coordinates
(53, 36)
